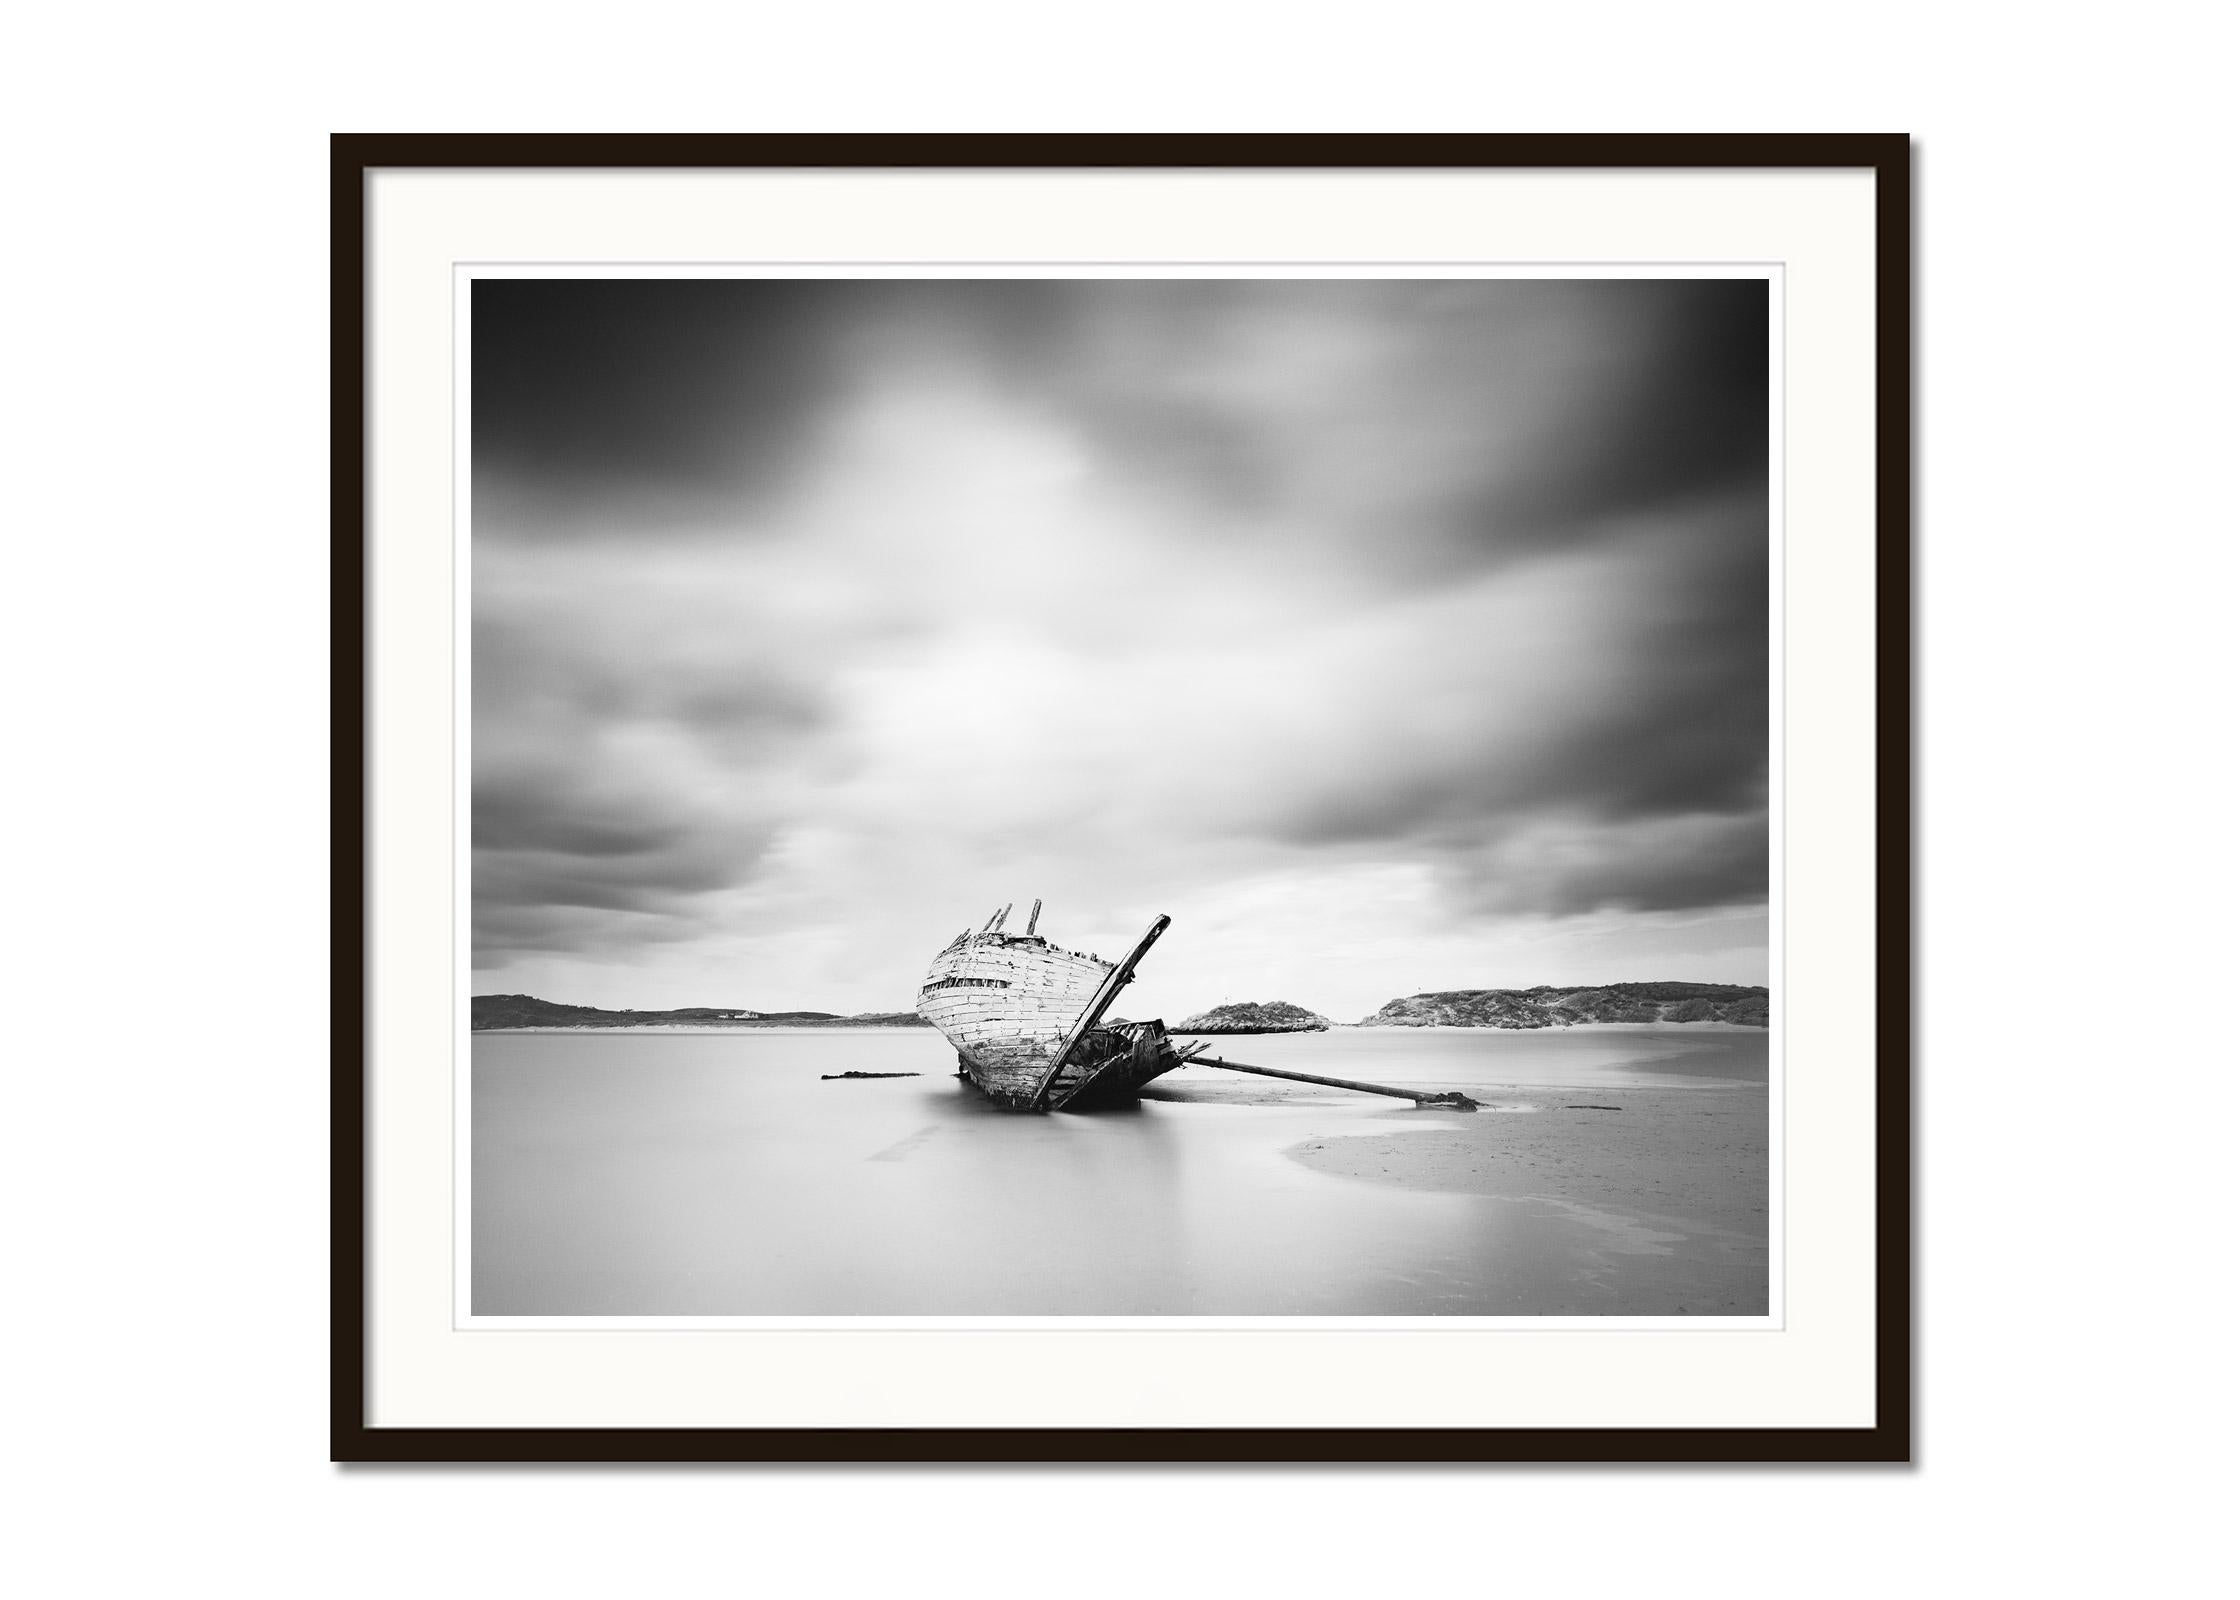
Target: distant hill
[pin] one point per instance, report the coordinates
(1277, 1016)
(497, 1011)
(1550, 1007)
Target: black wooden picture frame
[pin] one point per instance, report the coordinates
(356, 157)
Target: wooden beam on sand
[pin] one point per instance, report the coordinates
(1455, 1102)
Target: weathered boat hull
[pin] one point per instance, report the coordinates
(1113, 1066)
(1007, 1002)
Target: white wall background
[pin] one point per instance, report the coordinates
(162, 629)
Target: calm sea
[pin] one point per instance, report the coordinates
(718, 1174)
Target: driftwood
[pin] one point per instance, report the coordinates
(1457, 1102)
(829, 1076)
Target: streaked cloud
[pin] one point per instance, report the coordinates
(815, 619)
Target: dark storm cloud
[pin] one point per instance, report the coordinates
(1666, 863)
(681, 395)
(848, 595)
(544, 845)
(1634, 394)
(678, 395)
(607, 762)
(1669, 717)
(1681, 412)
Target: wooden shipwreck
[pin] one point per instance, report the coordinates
(1027, 1020)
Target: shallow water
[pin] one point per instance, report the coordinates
(717, 1174)
(1617, 1055)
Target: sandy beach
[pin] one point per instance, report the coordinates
(1649, 1187)
(1671, 1183)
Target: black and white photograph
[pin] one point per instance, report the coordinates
(1134, 795)
(1184, 800)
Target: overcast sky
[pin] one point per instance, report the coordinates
(1391, 636)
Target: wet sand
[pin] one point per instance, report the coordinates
(1635, 1160)
(1672, 1185)
(725, 1174)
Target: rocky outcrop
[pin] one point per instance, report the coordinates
(1551, 1007)
(1277, 1016)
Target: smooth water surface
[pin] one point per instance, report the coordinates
(718, 1174)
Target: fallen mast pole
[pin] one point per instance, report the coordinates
(1458, 1101)
(1093, 1013)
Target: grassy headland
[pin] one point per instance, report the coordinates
(1551, 1007)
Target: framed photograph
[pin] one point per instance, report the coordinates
(1121, 798)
